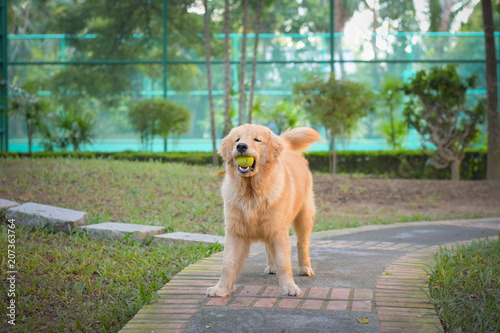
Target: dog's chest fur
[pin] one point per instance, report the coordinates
(248, 205)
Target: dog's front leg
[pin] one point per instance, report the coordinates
(283, 264)
(235, 253)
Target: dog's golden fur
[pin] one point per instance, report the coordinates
(261, 203)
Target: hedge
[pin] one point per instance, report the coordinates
(395, 164)
(399, 164)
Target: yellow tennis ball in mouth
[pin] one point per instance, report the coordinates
(244, 161)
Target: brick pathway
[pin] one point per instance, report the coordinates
(398, 301)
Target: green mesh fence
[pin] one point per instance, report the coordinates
(107, 71)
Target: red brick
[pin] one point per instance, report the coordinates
(408, 325)
(265, 302)
(154, 326)
(337, 305)
(180, 301)
(406, 330)
(422, 311)
(250, 291)
(166, 309)
(360, 306)
(340, 293)
(403, 299)
(413, 319)
(316, 292)
(405, 305)
(242, 301)
(271, 292)
(312, 304)
(165, 317)
(363, 294)
(289, 303)
(401, 313)
(218, 301)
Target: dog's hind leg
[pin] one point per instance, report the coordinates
(303, 226)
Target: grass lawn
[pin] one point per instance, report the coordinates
(77, 284)
(177, 196)
(465, 287)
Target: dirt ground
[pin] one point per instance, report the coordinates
(390, 197)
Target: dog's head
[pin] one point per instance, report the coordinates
(256, 141)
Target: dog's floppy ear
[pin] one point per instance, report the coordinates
(225, 148)
(274, 147)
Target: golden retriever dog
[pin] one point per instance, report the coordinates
(262, 201)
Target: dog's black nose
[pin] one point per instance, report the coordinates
(242, 147)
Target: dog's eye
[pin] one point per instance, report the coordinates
(257, 140)
(237, 139)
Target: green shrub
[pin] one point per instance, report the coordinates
(399, 164)
(396, 164)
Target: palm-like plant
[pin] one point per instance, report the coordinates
(68, 128)
(29, 107)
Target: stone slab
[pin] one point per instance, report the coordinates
(6, 204)
(120, 230)
(58, 219)
(186, 237)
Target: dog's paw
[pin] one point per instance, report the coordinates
(291, 290)
(270, 270)
(217, 292)
(306, 271)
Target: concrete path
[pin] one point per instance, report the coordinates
(368, 279)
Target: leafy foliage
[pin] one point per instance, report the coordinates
(394, 129)
(439, 112)
(285, 115)
(68, 128)
(336, 104)
(162, 117)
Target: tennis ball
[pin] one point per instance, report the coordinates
(244, 161)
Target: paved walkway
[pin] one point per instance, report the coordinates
(368, 279)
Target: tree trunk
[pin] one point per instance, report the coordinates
(30, 136)
(215, 160)
(333, 160)
(76, 146)
(241, 100)
(444, 24)
(455, 170)
(254, 61)
(374, 41)
(227, 115)
(493, 160)
(393, 131)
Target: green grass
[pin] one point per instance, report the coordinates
(327, 218)
(177, 196)
(77, 284)
(465, 287)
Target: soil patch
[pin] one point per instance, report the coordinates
(366, 197)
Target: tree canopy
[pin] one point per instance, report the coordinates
(440, 113)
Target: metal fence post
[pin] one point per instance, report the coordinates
(4, 122)
(332, 33)
(165, 59)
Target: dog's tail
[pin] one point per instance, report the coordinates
(300, 138)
